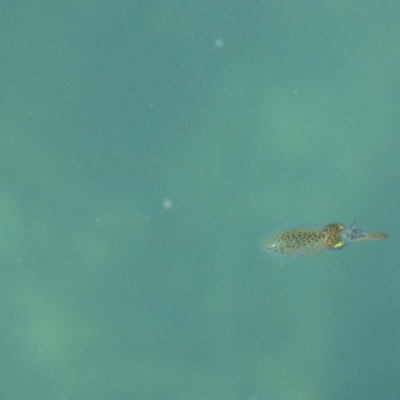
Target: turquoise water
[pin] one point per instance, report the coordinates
(145, 147)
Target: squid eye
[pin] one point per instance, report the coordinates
(339, 245)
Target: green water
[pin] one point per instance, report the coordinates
(145, 148)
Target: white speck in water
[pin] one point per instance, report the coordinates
(219, 43)
(167, 204)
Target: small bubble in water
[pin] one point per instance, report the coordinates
(167, 204)
(219, 43)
